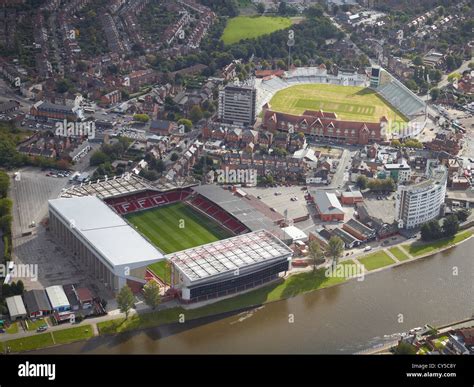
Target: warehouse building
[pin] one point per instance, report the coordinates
(58, 299)
(113, 251)
(16, 308)
(328, 207)
(229, 266)
(37, 303)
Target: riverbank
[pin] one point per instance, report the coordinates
(294, 285)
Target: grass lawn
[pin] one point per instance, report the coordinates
(12, 329)
(294, 285)
(376, 260)
(440, 342)
(420, 248)
(34, 325)
(162, 270)
(399, 254)
(30, 343)
(349, 102)
(162, 227)
(73, 334)
(246, 27)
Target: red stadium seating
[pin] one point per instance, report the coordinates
(218, 214)
(151, 199)
(146, 200)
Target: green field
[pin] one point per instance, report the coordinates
(376, 260)
(419, 248)
(177, 227)
(30, 343)
(292, 286)
(73, 334)
(162, 270)
(348, 102)
(245, 27)
(399, 254)
(34, 325)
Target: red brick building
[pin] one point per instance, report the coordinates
(325, 125)
(328, 206)
(350, 198)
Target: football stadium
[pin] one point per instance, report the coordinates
(127, 231)
(342, 105)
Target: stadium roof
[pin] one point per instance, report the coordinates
(108, 188)
(227, 256)
(237, 207)
(123, 185)
(112, 237)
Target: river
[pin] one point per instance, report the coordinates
(349, 318)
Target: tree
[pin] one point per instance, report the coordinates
(316, 254)
(20, 288)
(151, 294)
(417, 61)
(188, 125)
(335, 248)
(98, 158)
(431, 230)
(315, 11)
(282, 8)
(5, 206)
(404, 348)
(141, 117)
(450, 64)
(4, 184)
(461, 214)
(174, 156)
(450, 226)
(125, 300)
(396, 143)
(362, 181)
(261, 8)
(195, 114)
(434, 93)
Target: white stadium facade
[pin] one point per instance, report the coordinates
(87, 219)
(229, 266)
(101, 240)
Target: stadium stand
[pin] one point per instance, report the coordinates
(219, 215)
(146, 200)
(403, 99)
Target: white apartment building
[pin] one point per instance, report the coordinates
(400, 172)
(421, 201)
(237, 105)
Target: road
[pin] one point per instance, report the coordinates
(444, 80)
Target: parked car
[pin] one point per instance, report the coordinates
(42, 328)
(368, 248)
